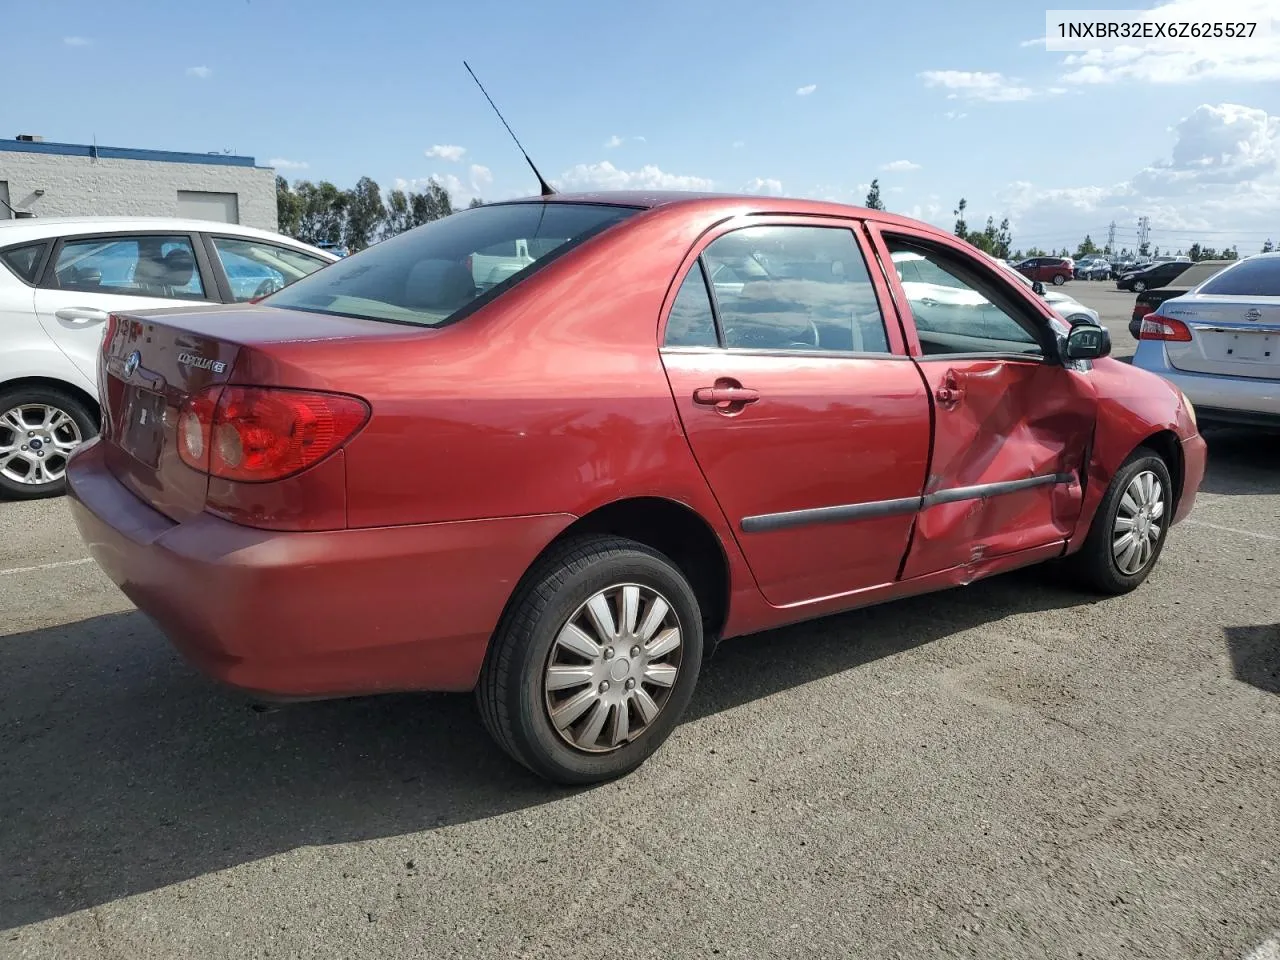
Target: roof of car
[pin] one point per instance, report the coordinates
(39, 228)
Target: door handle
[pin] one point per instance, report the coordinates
(714, 396)
(949, 392)
(81, 316)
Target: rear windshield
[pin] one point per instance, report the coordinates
(1199, 273)
(440, 272)
(1255, 277)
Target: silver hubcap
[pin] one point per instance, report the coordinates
(35, 442)
(612, 667)
(1139, 522)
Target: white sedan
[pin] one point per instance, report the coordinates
(60, 278)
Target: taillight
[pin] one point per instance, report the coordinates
(258, 434)
(1140, 310)
(1158, 327)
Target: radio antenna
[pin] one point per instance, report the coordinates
(547, 190)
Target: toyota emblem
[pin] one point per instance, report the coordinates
(131, 364)
(1253, 314)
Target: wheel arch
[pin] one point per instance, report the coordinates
(53, 383)
(1166, 445)
(675, 530)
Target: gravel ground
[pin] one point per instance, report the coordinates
(1005, 770)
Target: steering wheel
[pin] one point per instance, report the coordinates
(267, 286)
(815, 338)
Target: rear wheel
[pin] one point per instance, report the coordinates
(40, 427)
(1059, 279)
(1139, 286)
(1130, 527)
(594, 662)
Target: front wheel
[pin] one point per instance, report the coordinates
(1139, 286)
(594, 661)
(1059, 279)
(40, 427)
(1130, 527)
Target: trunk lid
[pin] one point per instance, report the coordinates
(1230, 336)
(153, 361)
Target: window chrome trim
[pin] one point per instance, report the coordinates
(843, 513)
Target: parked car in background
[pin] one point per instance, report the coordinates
(60, 279)
(1148, 300)
(1156, 275)
(337, 249)
(1063, 304)
(556, 491)
(1055, 270)
(1097, 269)
(1220, 343)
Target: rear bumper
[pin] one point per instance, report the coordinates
(1244, 399)
(310, 614)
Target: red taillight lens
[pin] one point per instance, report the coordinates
(257, 434)
(1140, 310)
(1157, 327)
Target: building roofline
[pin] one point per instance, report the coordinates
(124, 153)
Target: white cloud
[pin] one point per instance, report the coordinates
(77, 41)
(1219, 185)
(807, 89)
(955, 115)
(1035, 42)
(202, 73)
(280, 163)
(614, 141)
(446, 151)
(739, 144)
(605, 176)
(481, 179)
(640, 139)
(900, 166)
(764, 185)
(1252, 60)
(977, 85)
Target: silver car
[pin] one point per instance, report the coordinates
(1220, 343)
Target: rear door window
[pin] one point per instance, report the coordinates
(142, 266)
(439, 273)
(792, 287)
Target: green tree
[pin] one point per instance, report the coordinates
(961, 228)
(1086, 247)
(1196, 253)
(432, 204)
(873, 201)
(475, 202)
(1268, 247)
(288, 208)
(366, 214)
(324, 211)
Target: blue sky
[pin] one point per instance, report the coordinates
(811, 98)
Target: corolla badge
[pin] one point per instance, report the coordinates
(201, 363)
(1253, 313)
(131, 365)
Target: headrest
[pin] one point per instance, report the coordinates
(439, 285)
(179, 265)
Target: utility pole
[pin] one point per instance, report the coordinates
(1144, 230)
(1111, 237)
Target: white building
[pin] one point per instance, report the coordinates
(78, 180)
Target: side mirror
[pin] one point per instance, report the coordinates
(1088, 341)
(1038, 287)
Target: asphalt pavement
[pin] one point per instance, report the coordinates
(1010, 769)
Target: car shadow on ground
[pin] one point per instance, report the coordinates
(1255, 655)
(125, 771)
(1242, 461)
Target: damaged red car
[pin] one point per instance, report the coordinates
(548, 450)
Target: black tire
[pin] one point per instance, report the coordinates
(512, 695)
(16, 397)
(1059, 279)
(1095, 566)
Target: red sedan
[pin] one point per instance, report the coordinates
(546, 449)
